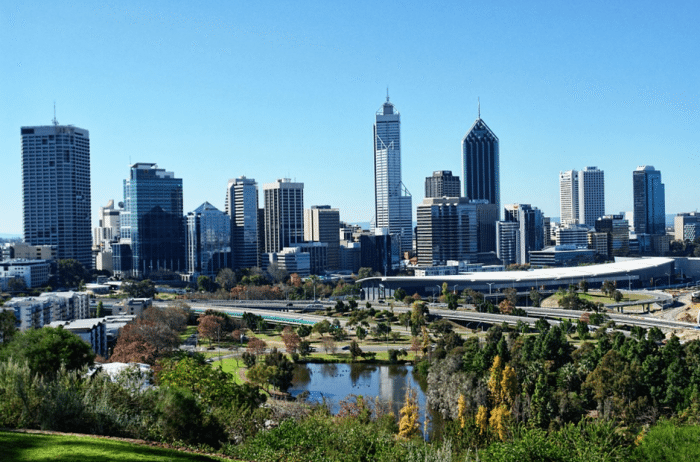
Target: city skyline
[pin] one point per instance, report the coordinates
(217, 92)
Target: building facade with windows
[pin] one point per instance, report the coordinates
(481, 163)
(242, 207)
(442, 184)
(591, 195)
(152, 222)
(56, 190)
(393, 202)
(649, 201)
(447, 229)
(208, 241)
(284, 214)
(322, 224)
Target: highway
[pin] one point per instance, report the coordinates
(281, 312)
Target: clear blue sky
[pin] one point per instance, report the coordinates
(214, 90)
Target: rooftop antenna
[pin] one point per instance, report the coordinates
(55, 122)
(387, 93)
(478, 102)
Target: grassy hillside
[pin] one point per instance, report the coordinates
(43, 447)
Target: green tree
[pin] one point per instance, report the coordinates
(140, 289)
(100, 311)
(617, 296)
(47, 349)
(535, 297)
(17, 285)
(71, 273)
(355, 350)
(361, 332)
(382, 329)
(399, 294)
(205, 284)
(7, 326)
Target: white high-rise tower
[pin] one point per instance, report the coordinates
(393, 209)
(56, 190)
(591, 195)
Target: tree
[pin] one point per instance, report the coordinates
(511, 295)
(17, 285)
(361, 332)
(150, 336)
(226, 279)
(305, 348)
(141, 289)
(382, 329)
(408, 416)
(205, 284)
(322, 327)
(100, 311)
(535, 297)
(355, 350)
(277, 273)
(583, 286)
(329, 345)
(7, 326)
(617, 296)
(71, 273)
(291, 340)
(210, 327)
(399, 294)
(304, 331)
(365, 273)
(45, 350)
(282, 370)
(212, 386)
(256, 346)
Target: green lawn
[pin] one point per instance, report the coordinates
(599, 297)
(37, 447)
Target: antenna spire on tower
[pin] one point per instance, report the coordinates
(55, 122)
(387, 93)
(478, 102)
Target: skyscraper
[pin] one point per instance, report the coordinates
(322, 224)
(530, 229)
(208, 241)
(442, 184)
(568, 197)
(581, 196)
(242, 207)
(56, 190)
(284, 214)
(591, 195)
(649, 201)
(447, 230)
(393, 209)
(152, 222)
(480, 163)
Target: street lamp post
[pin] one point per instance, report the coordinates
(490, 284)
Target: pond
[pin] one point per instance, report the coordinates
(335, 382)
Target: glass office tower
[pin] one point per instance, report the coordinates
(649, 201)
(480, 164)
(393, 207)
(152, 221)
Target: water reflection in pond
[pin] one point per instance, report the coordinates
(335, 382)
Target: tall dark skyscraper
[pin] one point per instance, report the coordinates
(152, 221)
(242, 207)
(480, 163)
(56, 190)
(649, 201)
